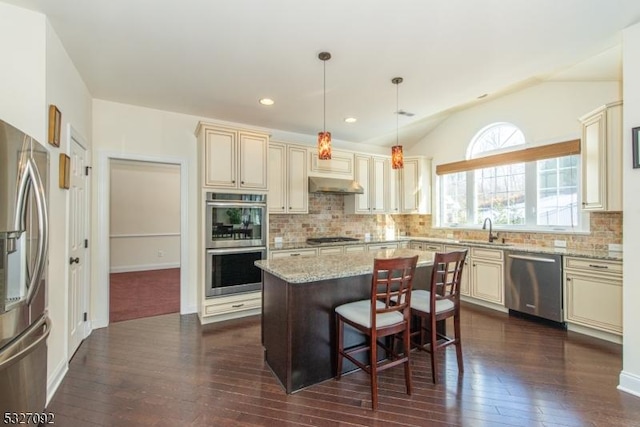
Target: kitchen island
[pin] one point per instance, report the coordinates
(299, 296)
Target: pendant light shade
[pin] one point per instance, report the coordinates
(397, 156)
(324, 137)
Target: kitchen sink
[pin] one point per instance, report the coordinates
(485, 242)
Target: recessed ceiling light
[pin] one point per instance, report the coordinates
(350, 120)
(266, 101)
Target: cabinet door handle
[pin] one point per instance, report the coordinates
(241, 182)
(294, 254)
(233, 181)
(598, 266)
(237, 305)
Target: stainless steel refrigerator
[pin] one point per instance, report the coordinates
(24, 324)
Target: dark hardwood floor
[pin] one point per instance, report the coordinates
(170, 371)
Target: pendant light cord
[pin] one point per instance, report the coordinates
(324, 96)
(397, 111)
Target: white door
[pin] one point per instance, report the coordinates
(78, 252)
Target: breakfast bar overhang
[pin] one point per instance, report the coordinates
(299, 296)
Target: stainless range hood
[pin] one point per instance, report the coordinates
(334, 186)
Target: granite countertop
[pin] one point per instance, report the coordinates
(606, 255)
(334, 266)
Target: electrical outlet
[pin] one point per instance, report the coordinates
(449, 235)
(278, 240)
(615, 247)
(560, 243)
(160, 253)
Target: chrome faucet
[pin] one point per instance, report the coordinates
(484, 227)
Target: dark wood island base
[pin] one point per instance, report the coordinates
(298, 320)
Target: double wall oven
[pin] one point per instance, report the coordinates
(236, 237)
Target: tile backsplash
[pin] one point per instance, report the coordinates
(326, 217)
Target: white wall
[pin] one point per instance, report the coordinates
(22, 74)
(36, 72)
(144, 216)
(547, 112)
(630, 376)
(65, 89)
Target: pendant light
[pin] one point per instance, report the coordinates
(324, 137)
(397, 157)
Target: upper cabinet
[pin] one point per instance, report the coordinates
(415, 186)
(601, 153)
(288, 189)
(340, 165)
(372, 172)
(232, 158)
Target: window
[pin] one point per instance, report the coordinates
(534, 194)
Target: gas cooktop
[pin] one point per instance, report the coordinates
(319, 240)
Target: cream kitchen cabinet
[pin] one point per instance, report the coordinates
(288, 253)
(601, 153)
(372, 172)
(415, 186)
(232, 159)
(431, 248)
(232, 306)
(487, 275)
(381, 246)
(593, 294)
(288, 189)
(465, 288)
(330, 250)
(340, 165)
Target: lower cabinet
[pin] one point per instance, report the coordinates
(382, 246)
(487, 275)
(232, 305)
(431, 248)
(331, 250)
(593, 293)
(286, 253)
(465, 288)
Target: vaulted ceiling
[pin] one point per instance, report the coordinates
(216, 58)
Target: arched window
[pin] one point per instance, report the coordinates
(532, 195)
(495, 137)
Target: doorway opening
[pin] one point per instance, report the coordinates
(144, 239)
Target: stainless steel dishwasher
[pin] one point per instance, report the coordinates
(533, 284)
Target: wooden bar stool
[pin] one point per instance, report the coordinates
(439, 303)
(379, 317)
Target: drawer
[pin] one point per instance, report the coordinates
(593, 265)
(451, 248)
(492, 254)
(425, 246)
(232, 304)
(354, 248)
(382, 246)
(331, 250)
(293, 253)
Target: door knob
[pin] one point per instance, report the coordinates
(76, 260)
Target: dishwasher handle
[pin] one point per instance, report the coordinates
(531, 258)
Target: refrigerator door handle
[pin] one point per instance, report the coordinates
(43, 321)
(30, 179)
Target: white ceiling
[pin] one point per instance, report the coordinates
(216, 58)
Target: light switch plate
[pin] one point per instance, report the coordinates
(560, 243)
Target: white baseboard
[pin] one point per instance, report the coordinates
(54, 381)
(596, 333)
(629, 383)
(143, 267)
